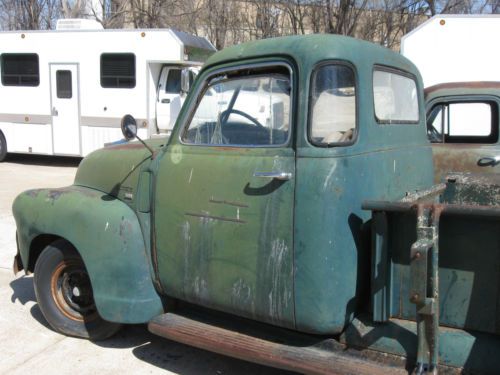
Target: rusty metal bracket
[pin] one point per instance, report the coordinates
(424, 285)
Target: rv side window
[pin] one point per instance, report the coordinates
(63, 84)
(20, 69)
(118, 70)
(173, 82)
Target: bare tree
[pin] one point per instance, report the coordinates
(296, 11)
(111, 14)
(73, 9)
(28, 14)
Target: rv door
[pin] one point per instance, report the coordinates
(65, 109)
(171, 95)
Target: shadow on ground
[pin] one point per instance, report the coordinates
(157, 351)
(22, 290)
(47, 160)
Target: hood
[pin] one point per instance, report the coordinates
(114, 169)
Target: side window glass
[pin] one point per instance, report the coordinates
(63, 84)
(20, 69)
(395, 98)
(173, 85)
(469, 119)
(463, 122)
(333, 105)
(118, 70)
(249, 110)
(436, 123)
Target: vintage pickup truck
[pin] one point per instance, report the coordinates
(463, 120)
(309, 242)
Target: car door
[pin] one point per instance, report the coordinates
(224, 199)
(464, 132)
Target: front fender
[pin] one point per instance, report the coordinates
(107, 234)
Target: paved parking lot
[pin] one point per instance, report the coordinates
(28, 345)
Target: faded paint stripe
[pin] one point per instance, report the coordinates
(221, 201)
(109, 122)
(25, 118)
(205, 216)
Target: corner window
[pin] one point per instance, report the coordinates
(333, 105)
(395, 98)
(118, 70)
(243, 109)
(20, 69)
(463, 122)
(64, 87)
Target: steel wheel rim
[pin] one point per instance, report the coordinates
(72, 292)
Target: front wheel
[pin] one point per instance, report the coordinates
(64, 294)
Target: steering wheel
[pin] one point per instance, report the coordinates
(225, 115)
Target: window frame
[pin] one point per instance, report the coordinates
(403, 73)
(203, 87)
(117, 54)
(315, 70)
(19, 75)
(492, 139)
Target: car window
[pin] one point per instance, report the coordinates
(395, 98)
(173, 85)
(333, 105)
(463, 122)
(252, 110)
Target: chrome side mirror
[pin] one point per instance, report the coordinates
(129, 127)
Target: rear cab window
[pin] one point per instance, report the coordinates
(395, 97)
(333, 105)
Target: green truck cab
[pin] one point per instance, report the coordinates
(279, 223)
(463, 120)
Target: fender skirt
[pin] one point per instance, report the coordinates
(107, 234)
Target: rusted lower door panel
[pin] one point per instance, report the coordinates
(453, 157)
(224, 237)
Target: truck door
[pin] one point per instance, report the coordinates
(465, 135)
(224, 200)
(65, 109)
(170, 96)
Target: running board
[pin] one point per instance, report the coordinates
(305, 359)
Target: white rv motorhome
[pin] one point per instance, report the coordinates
(64, 92)
(455, 48)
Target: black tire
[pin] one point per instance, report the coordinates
(64, 294)
(3, 147)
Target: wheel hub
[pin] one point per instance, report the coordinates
(72, 291)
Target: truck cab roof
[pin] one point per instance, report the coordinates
(462, 88)
(311, 49)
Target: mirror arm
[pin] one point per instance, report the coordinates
(145, 145)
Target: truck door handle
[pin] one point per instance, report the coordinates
(165, 101)
(276, 175)
(54, 111)
(489, 161)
